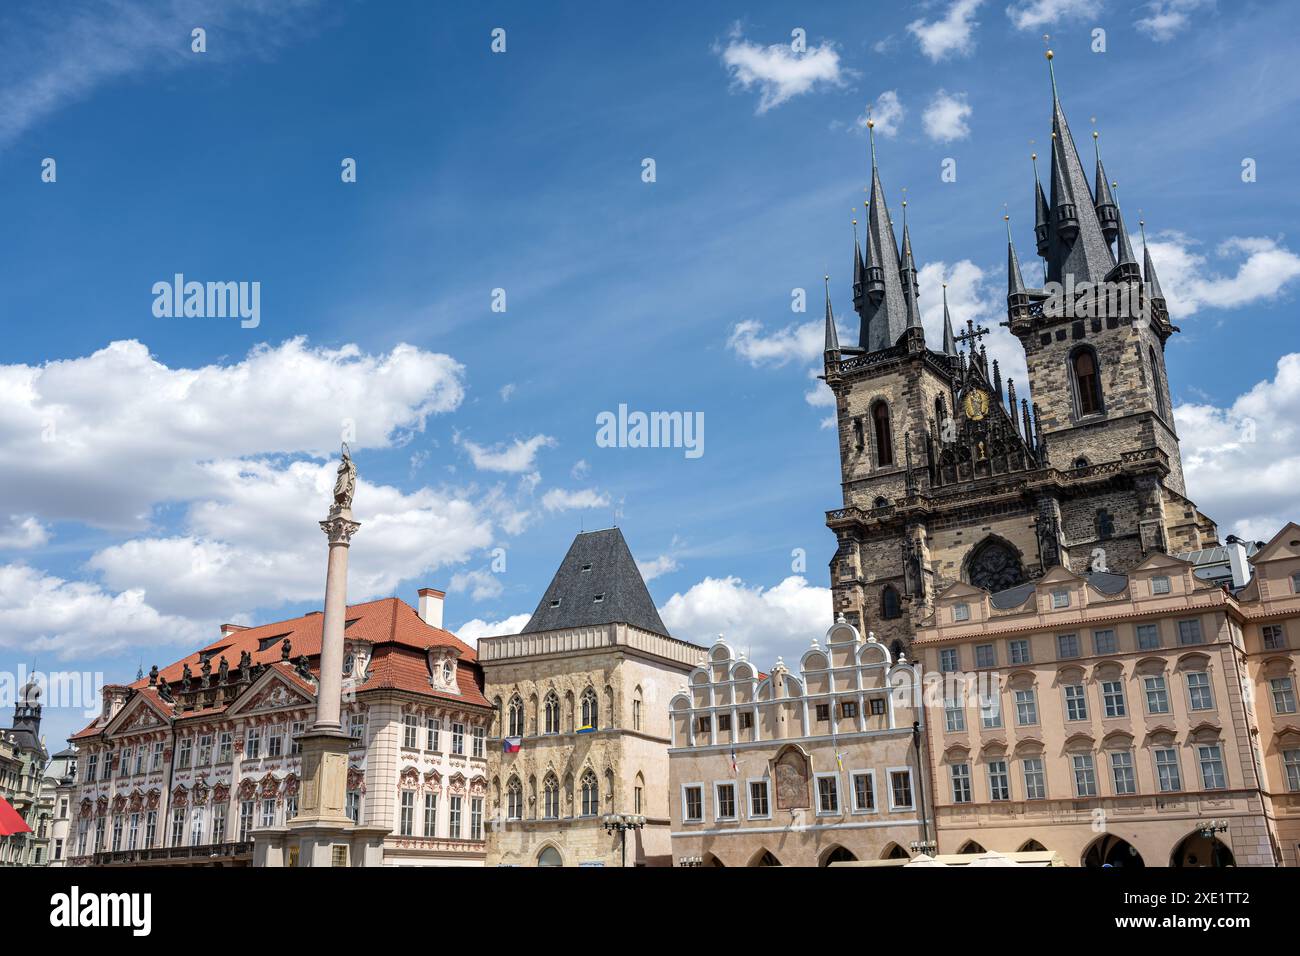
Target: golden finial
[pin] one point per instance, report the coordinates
(871, 124)
(827, 277)
(1050, 54)
(1094, 134)
(1034, 157)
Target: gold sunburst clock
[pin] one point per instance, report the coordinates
(976, 404)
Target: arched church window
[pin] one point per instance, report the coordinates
(1081, 462)
(994, 566)
(514, 799)
(1157, 383)
(515, 723)
(551, 797)
(551, 710)
(590, 710)
(880, 502)
(1087, 381)
(590, 795)
(889, 604)
(884, 436)
(1105, 524)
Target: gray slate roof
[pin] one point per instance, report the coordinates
(1105, 582)
(610, 574)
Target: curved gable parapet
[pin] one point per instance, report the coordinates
(810, 658)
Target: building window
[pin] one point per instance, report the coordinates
(133, 834)
(746, 720)
(725, 801)
(1076, 702)
(1026, 707)
(1212, 777)
(991, 713)
(551, 713)
(186, 753)
(1060, 599)
(999, 781)
(985, 655)
(1160, 585)
(357, 727)
(877, 706)
(1157, 694)
(150, 828)
(1283, 695)
(1087, 382)
(253, 743)
(124, 763)
(1067, 646)
(884, 437)
(514, 799)
(476, 818)
(828, 794)
(1295, 583)
(590, 795)
(864, 792)
(1035, 778)
(890, 606)
(704, 725)
(245, 820)
(1291, 761)
(590, 711)
(205, 751)
(92, 767)
(693, 804)
(1121, 770)
(724, 721)
(636, 709)
(1274, 637)
(225, 746)
(453, 819)
(758, 803)
(219, 821)
(948, 660)
(1168, 777)
(1198, 691)
(1103, 642)
(458, 739)
(551, 797)
(268, 813)
(1104, 522)
(636, 799)
(823, 713)
(1189, 632)
(1085, 777)
(960, 612)
(1019, 651)
(409, 732)
(1112, 698)
(432, 734)
(140, 756)
(516, 717)
(274, 741)
(848, 709)
(1148, 637)
(961, 792)
(954, 716)
(900, 790)
(354, 805)
(479, 742)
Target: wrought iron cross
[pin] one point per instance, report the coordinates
(972, 334)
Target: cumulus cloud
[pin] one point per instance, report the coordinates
(481, 584)
(972, 295)
(517, 456)
(561, 499)
(951, 34)
(19, 533)
(1264, 270)
(886, 113)
(945, 117)
(1258, 435)
(765, 622)
(794, 343)
(1032, 14)
(106, 437)
(777, 71)
(471, 631)
(1165, 19)
(657, 567)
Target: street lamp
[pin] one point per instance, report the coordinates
(1211, 827)
(924, 846)
(622, 822)
(690, 861)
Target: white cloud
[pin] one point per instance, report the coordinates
(507, 390)
(945, 117)
(1242, 462)
(560, 499)
(886, 113)
(1165, 19)
(516, 456)
(1032, 14)
(950, 34)
(106, 437)
(972, 295)
(482, 585)
(20, 533)
(778, 72)
(764, 622)
(657, 567)
(471, 631)
(1265, 268)
(580, 470)
(819, 394)
(799, 343)
(41, 613)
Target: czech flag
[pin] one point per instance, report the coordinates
(511, 745)
(10, 821)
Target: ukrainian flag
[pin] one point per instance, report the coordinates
(586, 729)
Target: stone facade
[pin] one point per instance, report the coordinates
(798, 769)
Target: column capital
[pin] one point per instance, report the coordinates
(339, 526)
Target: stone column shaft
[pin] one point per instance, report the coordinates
(339, 527)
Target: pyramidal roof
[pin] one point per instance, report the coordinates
(597, 583)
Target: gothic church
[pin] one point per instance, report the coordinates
(949, 474)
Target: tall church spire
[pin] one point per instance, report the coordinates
(832, 336)
(885, 318)
(859, 274)
(1149, 268)
(1041, 215)
(1126, 266)
(1076, 244)
(1016, 294)
(949, 340)
(1107, 211)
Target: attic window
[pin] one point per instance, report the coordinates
(555, 603)
(599, 598)
(1160, 585)
(267, 642)
(586, 567)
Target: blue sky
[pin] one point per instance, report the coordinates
(170, 482)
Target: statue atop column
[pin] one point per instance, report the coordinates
(345, 485)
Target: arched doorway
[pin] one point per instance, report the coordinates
(550, 857)
(764, 858)
(1198, 850)
(895, 852)
(1112, 851)
(1032, 846)
(836, 854)
(970, 846)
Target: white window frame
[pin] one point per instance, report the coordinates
(1177, 765)
(871, 788)
(960, 613)
(749, 798)
(1209, 689)
(686, 817)
(1131, 767)
(1106, 702)
(1160, 584)
(1005, 774)
(1011, 654)
(817, 794)
(968, 778)
(1146, 693)
(1060, 599)
(911, 788)
(1040, 772)
(717, 801)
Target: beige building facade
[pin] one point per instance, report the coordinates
(803, 768)
(1123, 720)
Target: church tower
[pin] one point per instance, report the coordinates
(947, 473)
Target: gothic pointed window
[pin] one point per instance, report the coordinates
(552, 713)
(884, 436)
(1157, 383)
(994, 566)
(590, 795)
(1087, 381)
(514, 799)
(516, 720)
(1105, 524)
(889, 605)
(551, 797)
(590, 710)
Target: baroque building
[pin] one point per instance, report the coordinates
(807, 768)
(580, 729)
(183, 766)
(25, 827)
(949, 473)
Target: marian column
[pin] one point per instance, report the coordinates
(339, 528)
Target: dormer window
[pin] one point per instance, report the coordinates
(586, 567)
(1060, 599)
(1160, 585)
(555, 603)
(599, 599)
(448, 672)
(349, 664)
(961, 612)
